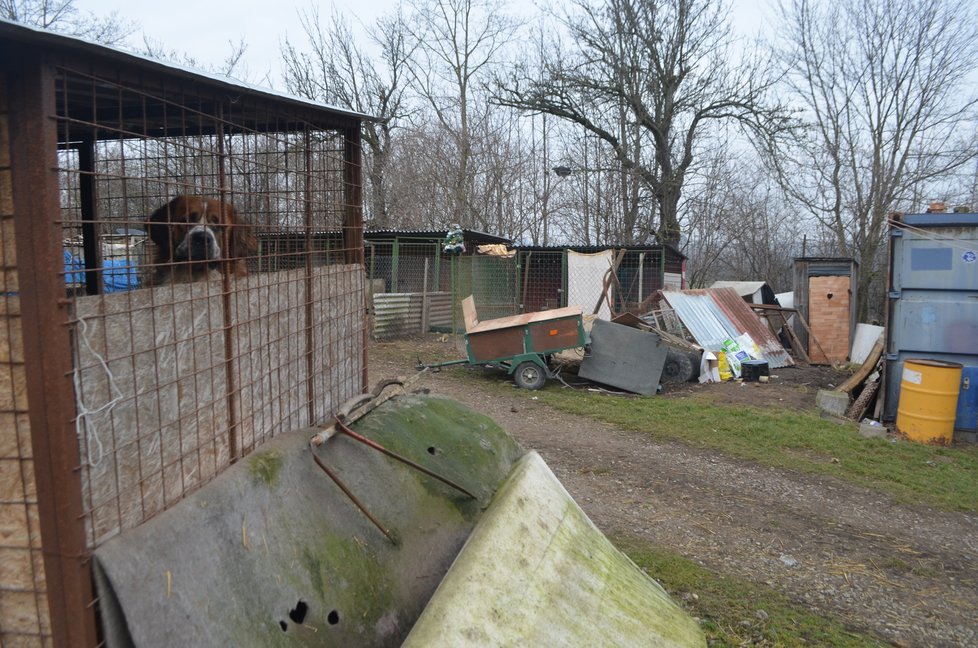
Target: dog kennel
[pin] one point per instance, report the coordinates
(119, 399)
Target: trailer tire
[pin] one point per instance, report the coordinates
(529, 375)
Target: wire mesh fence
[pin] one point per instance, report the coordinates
(618, 278)
(417, 288)
(525, 280)
(175, 382)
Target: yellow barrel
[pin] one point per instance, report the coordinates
(928, 400)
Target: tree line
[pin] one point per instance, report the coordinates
(644, 121)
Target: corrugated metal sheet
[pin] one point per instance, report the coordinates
(439, 310)
(397, 314)
(717, 314)
(743, 288)
(400, 314)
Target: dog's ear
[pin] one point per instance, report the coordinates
(159, 228)
(243, 242)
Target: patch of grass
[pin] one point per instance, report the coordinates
(736, 612)
(797, 440)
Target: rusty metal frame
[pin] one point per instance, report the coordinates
(353, 227)
(47, 352)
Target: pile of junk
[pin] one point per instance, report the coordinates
(710, 335)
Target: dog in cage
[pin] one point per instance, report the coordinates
(194, 236)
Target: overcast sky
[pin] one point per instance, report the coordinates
(204, 28)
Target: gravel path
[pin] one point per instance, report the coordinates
(907, 573)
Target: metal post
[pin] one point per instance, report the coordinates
(641, 277)
(90, 238)
(425, 301)
(47, 350)
(353, 222)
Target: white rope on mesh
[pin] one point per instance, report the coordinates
(85, 424)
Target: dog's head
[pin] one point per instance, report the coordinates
(200, 232)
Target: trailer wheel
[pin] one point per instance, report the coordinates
(529, 375)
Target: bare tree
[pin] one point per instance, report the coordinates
(336, 70)
(64, 17)
(457, 43)
(887, 92)
(649, 78)
(230, 66)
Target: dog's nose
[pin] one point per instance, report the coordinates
(199, 246)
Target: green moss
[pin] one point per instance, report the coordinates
(445, 437)
(339, 564)
(265, 467)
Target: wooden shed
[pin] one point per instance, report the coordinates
(825, 294)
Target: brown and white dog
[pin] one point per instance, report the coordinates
(194, 235)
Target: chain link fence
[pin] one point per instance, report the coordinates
(416, 288)
(556, 277)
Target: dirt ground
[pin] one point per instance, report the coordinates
(907, 573)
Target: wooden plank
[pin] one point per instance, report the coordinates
(812, 338)
(554, 335)
(867, 367)
(473, 325)
(796, 344)
(150, 365)
(469, 316)
(495, 344)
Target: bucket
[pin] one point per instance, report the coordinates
(751, 370)
(928, 400)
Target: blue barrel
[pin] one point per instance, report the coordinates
(966, 417)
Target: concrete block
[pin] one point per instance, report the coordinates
(833, 402)
(872, 431)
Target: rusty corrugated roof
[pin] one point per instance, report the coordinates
(716, 314)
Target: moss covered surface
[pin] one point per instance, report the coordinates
(273, 553)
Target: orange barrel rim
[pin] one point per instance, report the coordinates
(928, 400)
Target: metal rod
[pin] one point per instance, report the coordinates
(393, 455)
(348, 493)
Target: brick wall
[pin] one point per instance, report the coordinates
(829, 308)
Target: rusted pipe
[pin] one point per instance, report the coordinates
(348, 493)
(393, 455)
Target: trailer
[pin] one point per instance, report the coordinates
(519, 344)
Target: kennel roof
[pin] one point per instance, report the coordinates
(187, 87)
(470, 236)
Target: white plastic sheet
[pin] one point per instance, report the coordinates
(585, 280)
